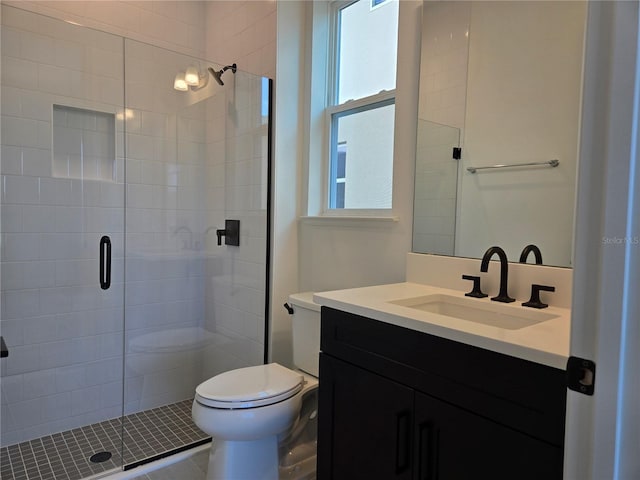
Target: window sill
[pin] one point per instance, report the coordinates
(350, 220)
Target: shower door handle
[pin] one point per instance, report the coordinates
(105, 262)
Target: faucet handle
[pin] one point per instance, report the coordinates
(534, 301)
(475, 292)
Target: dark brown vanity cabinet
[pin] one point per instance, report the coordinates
(399, 404)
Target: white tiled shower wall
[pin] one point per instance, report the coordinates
(65, 357)
(225, 31)
(83, 144)
(243, 32)
(168, 279)
(175, 25)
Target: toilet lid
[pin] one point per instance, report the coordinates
(250, 387)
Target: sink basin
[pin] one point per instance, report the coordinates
(475, 310)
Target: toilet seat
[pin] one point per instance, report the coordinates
(250, 387)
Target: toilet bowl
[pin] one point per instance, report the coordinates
(245, 410)
(248, 410)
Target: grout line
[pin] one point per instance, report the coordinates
(24, 465)
(10, 462)
(45, 455)
(68, 450)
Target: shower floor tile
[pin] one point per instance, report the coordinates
(66, 455)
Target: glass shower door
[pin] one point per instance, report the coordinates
(196, 157)
(436, 186)
(62, 224)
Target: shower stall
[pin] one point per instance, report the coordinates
(128, 174)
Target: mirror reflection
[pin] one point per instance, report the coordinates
(501, 80)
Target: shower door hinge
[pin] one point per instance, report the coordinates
(581, 375)
(457, 153)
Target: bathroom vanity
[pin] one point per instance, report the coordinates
(411, 394)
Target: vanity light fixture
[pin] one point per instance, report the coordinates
(190, 79)
(126, 114)
(180, 83)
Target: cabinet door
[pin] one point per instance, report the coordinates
(452, 443)
(365, 424)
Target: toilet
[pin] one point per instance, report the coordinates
(155, 359)
(248, 410)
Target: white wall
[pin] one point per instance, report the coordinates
(286, 175)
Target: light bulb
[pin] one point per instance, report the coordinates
(192, 76)
(179, 83)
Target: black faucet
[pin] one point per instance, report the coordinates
(503, 296)
(529, 249)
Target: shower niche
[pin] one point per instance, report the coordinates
(84, 144)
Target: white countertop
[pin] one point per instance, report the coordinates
(546, 342)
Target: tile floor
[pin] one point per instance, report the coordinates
(66, 455)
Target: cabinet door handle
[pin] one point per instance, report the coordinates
(403, 441)
(428, 445)
(105, 262)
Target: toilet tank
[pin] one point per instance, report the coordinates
(305, 325)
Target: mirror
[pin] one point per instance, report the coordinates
(503, 81)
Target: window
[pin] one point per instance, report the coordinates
(361, 105)
(338, 176)
(377, 3)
